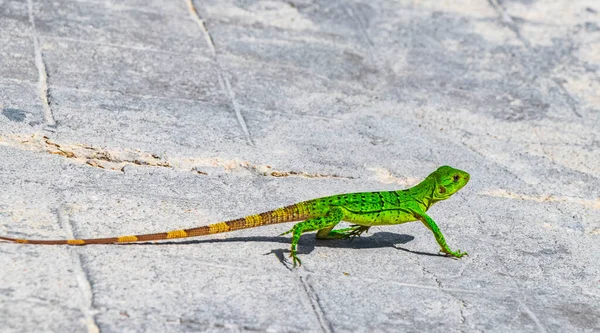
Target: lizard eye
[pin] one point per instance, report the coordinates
(456, 178)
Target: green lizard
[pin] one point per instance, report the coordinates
(365, 210)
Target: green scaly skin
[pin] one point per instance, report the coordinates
(380, 208)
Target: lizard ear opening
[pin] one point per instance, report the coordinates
(442, 189)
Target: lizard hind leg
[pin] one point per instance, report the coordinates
(346, 233)
(327, 222)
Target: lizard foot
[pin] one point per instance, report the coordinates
(356, 231)
(347, 233)
(455, 254)
(296, 261)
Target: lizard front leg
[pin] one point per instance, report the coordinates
(333, 217)
(439, 237)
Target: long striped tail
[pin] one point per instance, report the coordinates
(291, 213)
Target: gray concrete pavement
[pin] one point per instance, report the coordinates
(127, 116)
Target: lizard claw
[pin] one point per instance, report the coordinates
(295, 260)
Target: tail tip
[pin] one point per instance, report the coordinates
(14, 240)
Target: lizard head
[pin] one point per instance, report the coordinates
(448, 181)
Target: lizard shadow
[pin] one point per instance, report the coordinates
(376, 240)
(307, 244)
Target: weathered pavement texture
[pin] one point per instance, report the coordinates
(130, 116)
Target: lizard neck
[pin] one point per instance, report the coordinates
(423, 193)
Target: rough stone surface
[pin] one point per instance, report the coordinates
(133, 116)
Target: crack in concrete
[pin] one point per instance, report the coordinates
(361, 26)
(218, 324)
(223, 80)
(441, 288)
(532, 315)
(117, 160)
(81, 275)
(315, 304)
(507, 272)
(42, 72)
(463, 305)
(572, 102)
(93, 156)
(508, 22)
(265, 170)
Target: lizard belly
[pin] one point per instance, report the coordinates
(384, 217)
